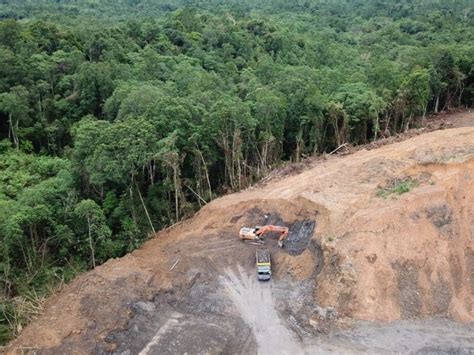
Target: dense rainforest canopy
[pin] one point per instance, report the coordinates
(118, 118)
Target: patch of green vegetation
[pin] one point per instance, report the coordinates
(398, 187)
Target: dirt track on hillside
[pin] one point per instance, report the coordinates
(358, 256)
(256, 305)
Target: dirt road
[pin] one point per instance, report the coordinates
(380, 258)
(256, 305)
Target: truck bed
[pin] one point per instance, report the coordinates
(263, 256)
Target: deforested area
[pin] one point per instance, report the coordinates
(138, 137)
(371, 273)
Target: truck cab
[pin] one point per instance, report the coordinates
(264, 267)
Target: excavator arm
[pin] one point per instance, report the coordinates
(257, 233)
(260, 231)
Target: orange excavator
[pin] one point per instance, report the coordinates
(256, 234)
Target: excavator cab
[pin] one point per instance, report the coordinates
(248, 233)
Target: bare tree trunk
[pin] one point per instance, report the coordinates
(376, 128)
(90, 240)
(259, 166)
(234, 158)
(134, 217)
(151, 171)
(197, 195)
(336, 130)
(26, 258)
(264, 156)
(33, 237)
(236, 154)
(407, 125)
(17, 143)
(424, 114)
(461, 91)
(206, 172)
(176, 191)
(239, 172)
(436, 104)
(387, 123)
(229, 165)
(12, 130)
(299, 143)
(6, 274)
(144, 207)
(447, 104)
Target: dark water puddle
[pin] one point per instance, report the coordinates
(299, 237)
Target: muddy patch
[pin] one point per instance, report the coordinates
(409, 295)
(442, 218)
(299, 237)
(257, 217)
(179, 321)
(441, 296)
(295, 303)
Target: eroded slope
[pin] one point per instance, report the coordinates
(371, 255)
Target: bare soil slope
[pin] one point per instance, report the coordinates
(357, 251)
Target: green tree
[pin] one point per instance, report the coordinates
(97, 229)
(15, 104)
(114, 152)
(363, 107)
(269, 112)
(413, 96)
(230, 124)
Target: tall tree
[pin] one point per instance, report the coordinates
(15, 104)
(97, 229)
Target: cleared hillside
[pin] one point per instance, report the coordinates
(380, 235)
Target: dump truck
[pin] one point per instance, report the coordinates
(264, 267)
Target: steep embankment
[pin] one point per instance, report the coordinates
(357, 251)
(389, 257)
